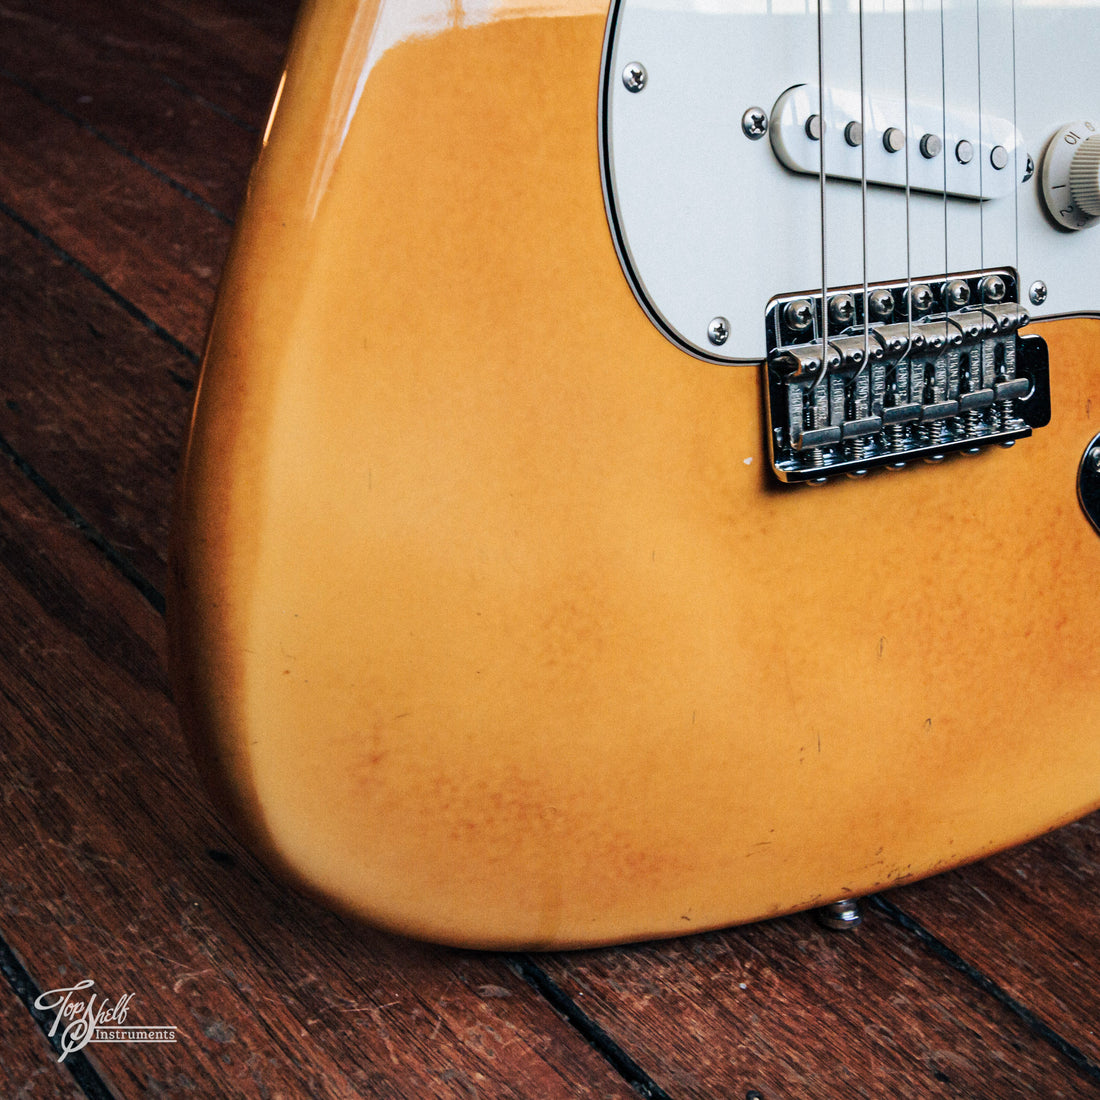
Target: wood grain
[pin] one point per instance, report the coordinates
(791, 1011)
(227, 53)
(112, 867)
(90, 398)
(104, 88)
(29, 1068)
(1027, 920)
(153, 245)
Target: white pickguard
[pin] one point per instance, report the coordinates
(712, 224)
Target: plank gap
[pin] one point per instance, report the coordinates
(113, 145)
(1034, 1024)
(153, 596)
(210, 105)
(600, 1041)
(26, 990)
(101, 284)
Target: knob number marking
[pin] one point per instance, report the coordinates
(1071, 147)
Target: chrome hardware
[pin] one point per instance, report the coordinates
(880, 304)
(958, 293)
(841, 916)
(635, 76)
(1037, 295)
(798, 315)
(842, 308)
(853, 134)
(964, 152)
(718, 331)
(992, 289)
(919, 299)
(998, 157)
(1088, 482)
(814, 127)
(1029, 171)
(952, 375)
(754, 123)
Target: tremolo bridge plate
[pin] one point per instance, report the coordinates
(950, 372)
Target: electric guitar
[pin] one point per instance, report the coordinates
(499, 614)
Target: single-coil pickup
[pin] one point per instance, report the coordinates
(976, 157)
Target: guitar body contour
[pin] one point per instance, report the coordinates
(490, 622)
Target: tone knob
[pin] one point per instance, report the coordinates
(1070, 176)
(1084, 175)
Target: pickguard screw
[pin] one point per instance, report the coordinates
(718, 331)
(1029, 171)
(754, 123)
(1038, 292)
(635, 76)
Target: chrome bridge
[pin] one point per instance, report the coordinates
(939, 366)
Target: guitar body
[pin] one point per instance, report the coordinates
(491, 623)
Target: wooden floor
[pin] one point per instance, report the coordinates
(126, 130)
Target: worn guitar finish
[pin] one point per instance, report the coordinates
(491, 623)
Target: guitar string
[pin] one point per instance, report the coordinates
(863, 190)
(981, 155)
(908, 185)
(908, 230)
(1015, 159)
(821, 183)
(946, 152)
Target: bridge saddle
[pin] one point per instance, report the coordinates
(908, 370)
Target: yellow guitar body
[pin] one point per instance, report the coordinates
(491, 623)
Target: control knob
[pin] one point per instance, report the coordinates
(1084, 175)
(1071, 175)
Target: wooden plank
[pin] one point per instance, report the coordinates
(90, 398)
(157, 248)
(274, 993)
(113, 868)
(1027, 919)
(227, 52)
(108, 90)
(788, 1010)
(28, 1067)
